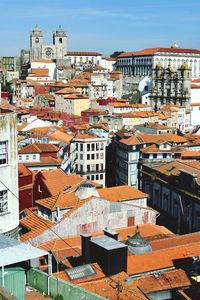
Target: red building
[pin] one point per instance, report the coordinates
(25, 178)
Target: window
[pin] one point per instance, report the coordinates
(88, 147)
(3, 152)
(93, 147)
(27, 157)
(97, 146)
(154, 155)
(88, 168)
(97, 167)
(34, 156)
(81, 168)
(101, 176)
(92, 156)
(20, 157)
(3, 201)
(81, 147)
(101, 166)
(101, 146)
(81, 156)
(97, 156)
(101, 155)
(88, 156)
(97, 177)
(92, 177)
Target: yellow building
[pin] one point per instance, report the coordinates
(72, 104)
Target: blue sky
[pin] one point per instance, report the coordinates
(101, 25)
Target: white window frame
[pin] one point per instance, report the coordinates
(3, 153)
(3, 201)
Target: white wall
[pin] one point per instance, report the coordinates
(9, 172)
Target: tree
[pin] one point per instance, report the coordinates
(116, 53)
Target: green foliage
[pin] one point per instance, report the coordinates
(116, 53)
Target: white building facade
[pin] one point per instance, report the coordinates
(141, 63)
(9, 202)
(91, 154)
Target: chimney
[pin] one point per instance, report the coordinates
(112, 234)
(86, 249)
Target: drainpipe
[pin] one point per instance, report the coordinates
(49, 273)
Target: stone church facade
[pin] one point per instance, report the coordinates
(39, 50)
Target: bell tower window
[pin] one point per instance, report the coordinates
(60, 40)
(37, 40)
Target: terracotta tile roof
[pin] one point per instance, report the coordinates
(121, 193)
(169, 280)
(61, 136)
(45, 161)
(150, 232)
(154, 126)
(75, 97)
(38, 148)
(195, 86)
(23, 170)
(35, 224)
(190, 153)
(63, 201)
(78, 53)
(171, 108)
(107, 288)
(40, 71)
(154, 149)
(160, 259)
(57, 181)
(144, 138)
(152, 51)
(175, 167)
(119, 104)
(47, 61)
(195, 104)
(176, 240)
(85, 136)
(66, 90)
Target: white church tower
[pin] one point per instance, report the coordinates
(36, 41)
(60, 42)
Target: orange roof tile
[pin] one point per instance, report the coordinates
(57, 181)
(38, 148)
(35, 225)
(40, 71)
(47, 61)
(166, 281)
(107, 288)
(160, 259)
(175, 167)
(121, 193)
(175, 240)
(152, 51)
(63, 201)
(78, 53)
(23, 171)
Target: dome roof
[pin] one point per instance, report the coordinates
(175, 45)
(86, 190)
(137, 244)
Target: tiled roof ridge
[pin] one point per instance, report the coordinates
(172, 248)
